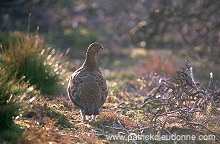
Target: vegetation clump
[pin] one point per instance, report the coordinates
(30, 57)
(11, 95)
(27, 65)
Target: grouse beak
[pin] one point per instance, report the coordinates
(102, 48)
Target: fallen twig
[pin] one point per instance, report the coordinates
(125, 130)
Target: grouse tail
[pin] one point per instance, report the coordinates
(92, 109)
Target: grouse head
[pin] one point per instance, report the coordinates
(94, 49)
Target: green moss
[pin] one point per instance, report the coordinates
(128, 76)
(62, 119)
(121, 76)
(95, 123)
(111, 77)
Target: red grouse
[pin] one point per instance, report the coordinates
(87, 87)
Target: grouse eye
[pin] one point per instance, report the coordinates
(98, 46)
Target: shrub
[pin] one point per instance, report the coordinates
(31, 57)
(11, 95)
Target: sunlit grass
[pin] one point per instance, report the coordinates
(30, 57)
(11, 96)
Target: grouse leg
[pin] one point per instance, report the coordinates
(83, 115)
(93, 117)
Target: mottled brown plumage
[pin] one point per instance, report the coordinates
(87, 87)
